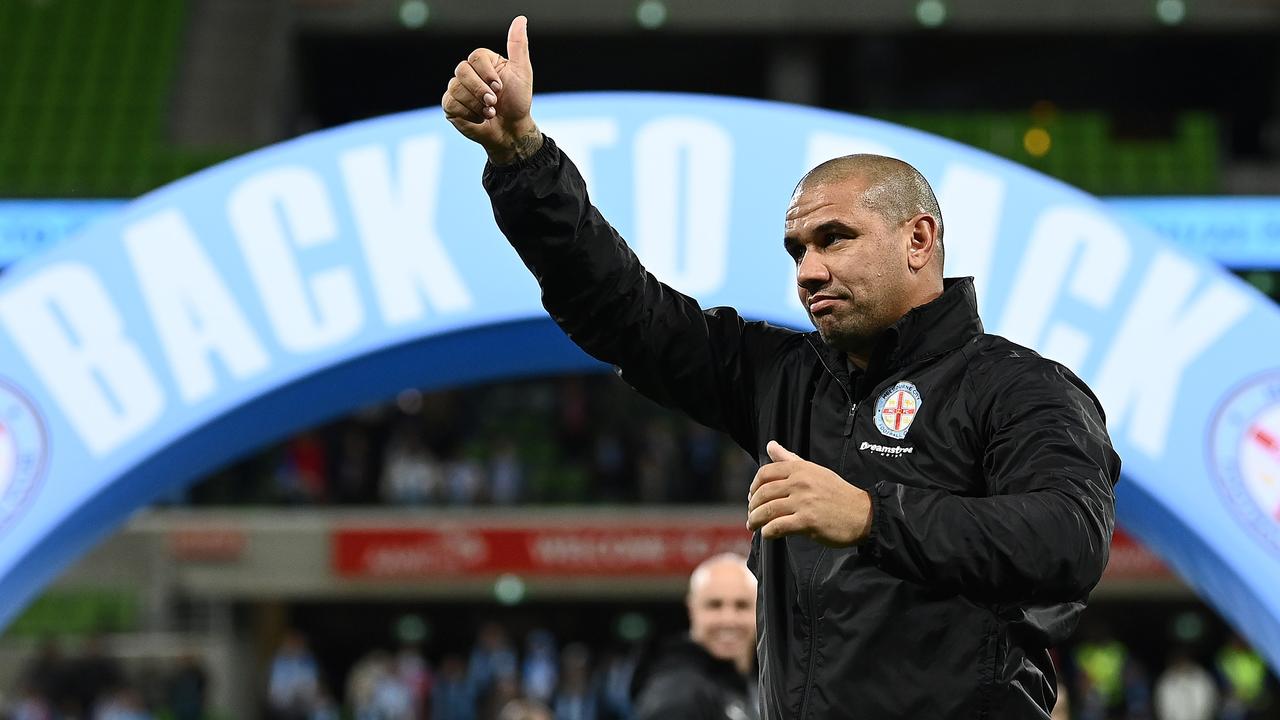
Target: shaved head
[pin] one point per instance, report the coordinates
(722, 609)
(895, 189)
(735, 564)
(865, 233)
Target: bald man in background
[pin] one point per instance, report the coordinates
(934, 503)
(707, 674)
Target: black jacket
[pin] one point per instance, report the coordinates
(683, 681)
(991, 517)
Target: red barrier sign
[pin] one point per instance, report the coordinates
(582, 551)
(587, 551)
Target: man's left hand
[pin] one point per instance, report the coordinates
(792, 496)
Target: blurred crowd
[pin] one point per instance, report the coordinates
(1108, 681)
(1103, 679)
(572, 682)
(576, 439)
(92, 684)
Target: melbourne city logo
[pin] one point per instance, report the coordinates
(896, 408)
(23, 452)
(1244, 453)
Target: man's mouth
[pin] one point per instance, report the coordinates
(729, 637)
(821, 303)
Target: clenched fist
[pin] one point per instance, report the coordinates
(792, 496)
(489, 98)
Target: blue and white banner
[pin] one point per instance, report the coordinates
(1240, 233)
(303, 280)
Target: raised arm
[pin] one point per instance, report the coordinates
(702, 362)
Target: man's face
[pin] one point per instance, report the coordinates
(851, 263)
(722, 611)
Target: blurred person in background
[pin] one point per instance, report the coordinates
(901, 577)
(492, 659)
(186, 688)
(47, 680)
(575, 698)
(525, 709)
(377, 692)
(301, 476)
(413, 670)
(325, 706)
(615, 677)
(539, 675)
(1139, 704)
(502, 692)
(293, 683)
(353, 466)
(702, 461)
(465, 481)
(411, 474)
(94, 675)
(29, 704)
(1100, 660)
(707, 674)
(609, 466)
(660, 469)
(1185, 691)
(392, 698)
(1243, 676)
(122, 703)
(453, 697)
(506, 473)
(362, 680)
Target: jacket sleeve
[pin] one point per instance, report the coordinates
(594, 287)
(1043, 530)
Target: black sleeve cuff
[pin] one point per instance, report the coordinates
(546, 156)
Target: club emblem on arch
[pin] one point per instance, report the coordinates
(896, 409)
(1244, 454)
(23, 452)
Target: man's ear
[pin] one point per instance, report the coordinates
(924, 242)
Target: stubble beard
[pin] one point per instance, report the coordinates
(845, 334)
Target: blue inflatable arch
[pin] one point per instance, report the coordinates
(305, 280)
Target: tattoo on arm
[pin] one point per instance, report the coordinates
(528, 144)
(521, 147)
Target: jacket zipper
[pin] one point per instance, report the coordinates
(813, 637)
(813, 625)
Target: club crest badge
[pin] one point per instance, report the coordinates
(896, 409)
(22, 452)
(1244, 455)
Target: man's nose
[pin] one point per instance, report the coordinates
(812, 273)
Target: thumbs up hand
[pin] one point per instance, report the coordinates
(792, 496)
(490, 96)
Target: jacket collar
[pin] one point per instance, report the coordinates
(945, 323)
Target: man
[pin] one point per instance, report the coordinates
(706, 675)
(934, 504)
